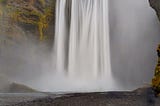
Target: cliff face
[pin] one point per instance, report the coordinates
(27, 17)
(26, 26)
(155, 4)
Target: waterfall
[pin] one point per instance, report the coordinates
(82, 47)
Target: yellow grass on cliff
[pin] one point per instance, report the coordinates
(156, 78)
(27, 13)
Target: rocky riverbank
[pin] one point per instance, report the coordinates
(139, 97)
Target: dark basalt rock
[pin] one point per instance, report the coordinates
(155, 4)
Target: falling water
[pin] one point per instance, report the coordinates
(83, 49)
(82, 45)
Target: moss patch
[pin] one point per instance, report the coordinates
(38, 13)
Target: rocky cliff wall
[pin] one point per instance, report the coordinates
(155, 4)
(27, 18)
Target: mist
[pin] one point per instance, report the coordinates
(134, 36)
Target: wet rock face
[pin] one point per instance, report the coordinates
(38, 5)
(35, 13)
(34, 17)
(155, 4)
(156, 78)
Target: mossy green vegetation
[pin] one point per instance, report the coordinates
(156, 78)
(155, 4)
(28, 13)
(3, 1)
(1, 12)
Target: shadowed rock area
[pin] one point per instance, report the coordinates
(155, 4)
(139, 97)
